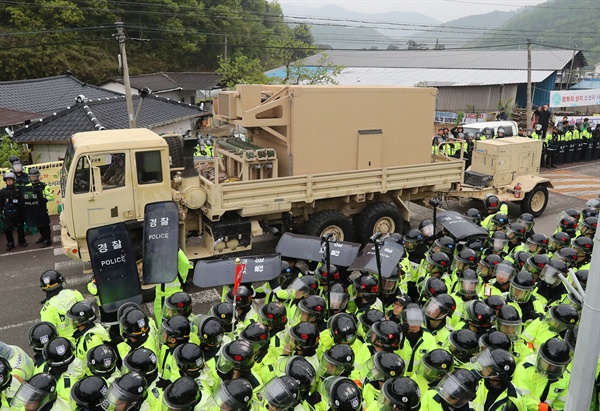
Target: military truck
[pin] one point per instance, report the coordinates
(317, 160)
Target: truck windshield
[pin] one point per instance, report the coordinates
(65, 169)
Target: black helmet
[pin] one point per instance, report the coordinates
(370, 317)
(144, 362)
(50, 279)
(383, 366)
(281, 393)
(82, 313)
(567, 255)
(232, 395)
(568, 225)
(551, 270)
(458, 387)
(435, 364)
(243, 297)
(273, 314)
(412, 239)
(561, 316)
(181, 395)
(257, 334)
(58, 352)
(223, 312)
(585, 213)
(509, 321)
(302, 286)
(500, 131)
(527, 220)
(466, 258)
(486, 266)
(493, 340)
(589, 225)
(177, 327)
(237, 355)
(439, 307)
(571, 337)
(210, 331)
(582, 277)
(443, 244)
(593, 202)
(474, 215)
(426, 227)
(436, 263)
(179, 303)
(536, 263)
(102, 360)
(302, 371)
(495, 302)
(87, 393)
(125, 392)
(40, 389)
(326, 277)
(338, 295)
(311, 308)
(475, 245)
(134, 323)
(40, 333)
(386, 334)
(495, 363)
(492, 203)
(190, 359)
(342, 328)
(367, 285)
(432, 286)
(498, 241)
(504, 272)
(305, 335)
(583, 244)
(559, 240)
(468, 282)
(516, 230)
(521, 258)
(5, 373)
(336, 360)
(9, 174)
(479, 314)
(463, 343)
(571, 212)
(13, 159)
(401, 394)
(553, 358)
(286, 275)
(342, 394)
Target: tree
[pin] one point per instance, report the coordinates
(241, 70)
(413, 45)
(9, 148)
(393, 47)
(324, 72)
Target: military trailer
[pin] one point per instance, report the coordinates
(317, 160)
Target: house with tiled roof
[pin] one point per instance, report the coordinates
(48, 137)
(186, 87)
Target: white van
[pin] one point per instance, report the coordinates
(510, 127)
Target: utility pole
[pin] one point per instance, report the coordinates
(225, 50)
(571, 67)
(121, 39)
(528, 121)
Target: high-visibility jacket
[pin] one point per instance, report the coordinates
(537, 386)
(89, 338)
(431, 401)
(537, 333)
(486, 221)
(509, 396)
(55, 310)
(412, 355)
(75, 371)
(165, 290)
(22, 365)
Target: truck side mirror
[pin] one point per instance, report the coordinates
(96, 180)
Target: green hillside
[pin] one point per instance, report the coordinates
(554, 24)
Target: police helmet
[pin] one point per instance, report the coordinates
(466, 258)
(589, 225)
(560, 317)
(336, 360)
(370, 317)
(338, 295)
(521, 258)
(134, 324)
(102, 360)
(426, 228)
(273, 314)
(177, 327)
(492, 203)
(474, 215)
(51, 280)
(223, 312)
(182, 395)
(342, 394)
(516, 230)
(237, 355)
(567, 255)
(439, 307)
(257, 334)
(243, 297)
(493, 340)
(411, 240)
(458, 387)
(210, 331)
(463, 343)
(527, 220)
(559, 240)
(495, 302)
(433, 286)
(87, 393)
(583, 244)
(536, 263)
(343, 328)
(39, 389)
(302, 371)
(367, 285)
(479, 314)
(179, 303)
(233, 395)
(82, 313)
(190, 359)
(383, 366)
(553, 358)
(305, 335)
(435, 364)
(5, 373)
(58, 352)
(589, 212)
(281, 393)
(286, 275)
(325, 276)
(497, 363)
(9, 174)
(144, 362)
(498, 221)
(13, 159)
(571, 337)
(437, 263)
(509, 321)
(125, 392)
(386, 334)
(468, 282)
(40, 333)
(314, 307)
(400, 394)
(445, 244)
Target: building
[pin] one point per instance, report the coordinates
(467, 80)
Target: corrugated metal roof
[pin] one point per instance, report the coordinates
(458, 59)
(162, 81)
(591, 83)
(436, 77)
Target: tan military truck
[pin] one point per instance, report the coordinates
(318, 160)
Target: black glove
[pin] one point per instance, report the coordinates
(162, 383)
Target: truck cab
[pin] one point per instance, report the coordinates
(108, 179)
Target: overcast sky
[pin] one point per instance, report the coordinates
(442, 10)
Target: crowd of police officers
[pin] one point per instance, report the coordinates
(566, 143)
(482, 325)
(23, 201)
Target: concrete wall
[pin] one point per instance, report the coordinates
(44, 153)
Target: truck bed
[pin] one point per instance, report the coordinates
(251, 198)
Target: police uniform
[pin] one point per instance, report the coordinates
(55, 310)
(538, 387)
(93, 335)
(164, 291)
(11, 206)
(36, 196)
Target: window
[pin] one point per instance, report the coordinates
(81, 182)
(149, 168)
(112, 169)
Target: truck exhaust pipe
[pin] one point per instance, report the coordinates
(189, 147)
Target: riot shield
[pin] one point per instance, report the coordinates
(305, 247)
(460, 227)
(113, 263)
(214, 273)
(390, 253)
(35, 206)
(161, 236)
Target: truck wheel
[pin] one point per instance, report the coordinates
(378, 217)
(175, 150)
(535, 201)
(329, 221)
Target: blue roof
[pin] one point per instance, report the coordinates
(587, 84)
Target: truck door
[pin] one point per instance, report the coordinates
(152, 180)
(370, 146)
(102, 190)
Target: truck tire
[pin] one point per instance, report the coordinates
(328, 221)
(175, 150)
(378, 217)
(535, 201)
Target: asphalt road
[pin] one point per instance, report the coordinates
(20, 269)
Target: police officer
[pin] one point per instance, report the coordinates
(400, 393)
(181, 395)
(234, 394)
(416, 339)
(164, 290)
(62, 364)
(8, 384)
(257, 334)
(434, 366)
(235, 361)
(126, 393)
(337, 360)
(12, 210)
(22, 365)
(38, 393)
(173, 332)
(379, 368)
(87, 394)
(102, 362)
(341, 393)
(190, 361)
(36, 195)
(57, 302)
(463, 344)
(136, 332)
(453, 392)
(557, 320)
(88, 333)
(280, 393)
(144, 362)
(493, 205)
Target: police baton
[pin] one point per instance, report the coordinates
(375, 239)
(325, 243)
